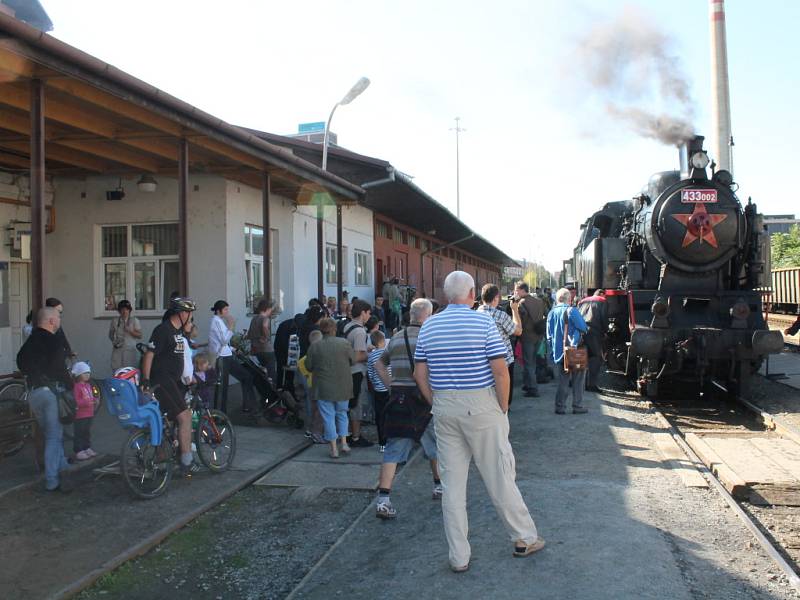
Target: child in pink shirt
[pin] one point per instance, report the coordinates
(86, 404)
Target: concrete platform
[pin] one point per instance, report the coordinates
(618, 518)
(99, 525)
(785, 367)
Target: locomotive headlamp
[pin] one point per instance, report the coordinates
(660, 308)
(699, 160)
(740, 310)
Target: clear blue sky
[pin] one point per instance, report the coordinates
(529, 173)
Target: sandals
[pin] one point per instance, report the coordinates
(521, 549)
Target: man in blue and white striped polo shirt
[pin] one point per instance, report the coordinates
(461, 369)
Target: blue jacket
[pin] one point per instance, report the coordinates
(555, 329)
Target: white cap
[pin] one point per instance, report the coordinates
(79, 368)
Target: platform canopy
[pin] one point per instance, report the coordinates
(100, 120)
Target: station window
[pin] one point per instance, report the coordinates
(413, 240)
(363, 261)
(398, 236)
(331, 266)
(382, 230)
(254, 263)
(139, 263)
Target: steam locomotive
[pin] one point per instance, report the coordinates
(681, 265)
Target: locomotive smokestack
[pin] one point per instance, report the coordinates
(721, 140)
(685, 152)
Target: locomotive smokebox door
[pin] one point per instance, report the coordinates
(696, 227)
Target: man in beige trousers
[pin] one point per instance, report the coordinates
(461, 369)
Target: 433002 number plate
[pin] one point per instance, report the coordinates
(698, 196)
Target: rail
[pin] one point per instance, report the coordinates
(771, 422)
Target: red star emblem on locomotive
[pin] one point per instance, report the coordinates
(700, 225)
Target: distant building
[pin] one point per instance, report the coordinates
(779, 223)
(29, 11)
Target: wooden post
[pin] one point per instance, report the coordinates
(265, 196)
(339, 266)
(37, 195)
(183, 217)
(320, 248)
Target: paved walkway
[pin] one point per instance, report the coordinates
(619, 523)
(50, 541)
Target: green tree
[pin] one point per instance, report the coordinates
(786, 248)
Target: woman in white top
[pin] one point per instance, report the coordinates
(219, 337)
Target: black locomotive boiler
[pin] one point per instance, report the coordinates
(681, 263)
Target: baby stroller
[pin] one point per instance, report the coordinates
(275, 405)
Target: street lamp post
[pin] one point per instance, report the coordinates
(354, 92)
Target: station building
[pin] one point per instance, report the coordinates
(416, 239)
(112, 189)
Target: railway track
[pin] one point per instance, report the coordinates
(689, 421)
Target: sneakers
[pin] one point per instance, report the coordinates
(188, 470)
(83, 455)
(560, 411)
(437, 491)
(91, 452)
(385, 510)
(361, 442)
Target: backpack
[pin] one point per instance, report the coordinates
(342, 329)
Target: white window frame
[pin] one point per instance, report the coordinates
(251, 261)
(366, 279)
(330, 264)
(129, 261)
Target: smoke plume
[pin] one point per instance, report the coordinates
(628, 65)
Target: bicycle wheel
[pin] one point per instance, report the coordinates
(14, 407)
(215, 440)
(146, 469)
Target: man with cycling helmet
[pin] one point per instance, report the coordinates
(162, 367)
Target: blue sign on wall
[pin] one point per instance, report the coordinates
(311, 127)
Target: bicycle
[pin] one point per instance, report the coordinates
(151, 451)
(17, 424)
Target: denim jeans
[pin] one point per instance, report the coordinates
(334, 418)
(529, 370)
(44, 406)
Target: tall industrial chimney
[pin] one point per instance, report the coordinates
(721, 139)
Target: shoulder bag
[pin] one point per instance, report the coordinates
(67, 407)
(407, 413)
(575, 359)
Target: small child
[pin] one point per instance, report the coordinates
(86, 404)
(205, 377)
(380, 393)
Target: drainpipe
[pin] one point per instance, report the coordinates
(377, 182)
(435, 249)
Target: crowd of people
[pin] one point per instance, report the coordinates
(438, 377)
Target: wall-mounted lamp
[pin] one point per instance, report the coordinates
(147, 183)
